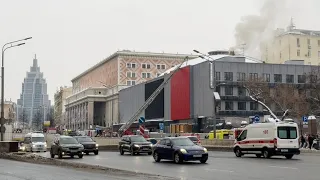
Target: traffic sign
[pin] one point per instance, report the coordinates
(161, 126)
(304, 118)
(142, 120)
(256, 118)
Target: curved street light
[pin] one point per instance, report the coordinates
(4, 48)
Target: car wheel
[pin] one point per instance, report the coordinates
(96, 152)
(238, 152)
(204, 160)
(149, 153)
(132, 152)
(177, 158)
(60, 154)
(121, 151)
(51, 154)
(266, 153)
(289, 156)
(80, 155)
(258, 155)
(156, 157)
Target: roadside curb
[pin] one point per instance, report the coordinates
(36, 159)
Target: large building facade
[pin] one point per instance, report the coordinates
(188, 97)
(34, 97)
(94, 101)
(60, 105)
(292, 44)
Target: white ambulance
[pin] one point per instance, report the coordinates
(268, 139)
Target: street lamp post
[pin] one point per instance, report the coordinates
(4, 48)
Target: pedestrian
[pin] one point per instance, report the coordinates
(303, 141)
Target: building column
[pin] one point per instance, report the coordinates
(90, 113)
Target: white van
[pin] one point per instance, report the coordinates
(268, 139)
(34, 142)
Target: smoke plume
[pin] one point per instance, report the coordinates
(255, 29)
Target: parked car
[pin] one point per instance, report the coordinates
(135, 144)
(89, 144)
(66, 145)
(179, 149)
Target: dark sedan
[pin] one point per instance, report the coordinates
(179, 149)
(89, 144)
(135, 145)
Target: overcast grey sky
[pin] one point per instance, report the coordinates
(69, 36)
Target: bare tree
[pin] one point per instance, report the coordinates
(37, 121)
(284, 97)
(23, 117)
(312, 90)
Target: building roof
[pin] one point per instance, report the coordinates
(132, 53)
(212, 58)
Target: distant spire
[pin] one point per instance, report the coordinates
(291, 25)
(35, 61)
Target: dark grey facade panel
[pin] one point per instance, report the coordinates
(156, 109)
(130, 100)
(202, 95)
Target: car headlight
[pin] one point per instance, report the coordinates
(150, 145)
(33, 145)
(183, 151)
(97, 145)
(136, 145)
(45, 145)
(205, 150)
(23, 148)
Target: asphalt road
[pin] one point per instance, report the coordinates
(220, 165)
(13, 170)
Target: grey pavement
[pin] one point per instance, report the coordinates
(220, 165)
(13, 170)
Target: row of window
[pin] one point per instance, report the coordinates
(143, 75)
(308, 42)
(242, 106)
(145, 66)
(228, 76)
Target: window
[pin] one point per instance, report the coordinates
(280, 55)
(228, 76)
(301, 78)
(308, 41)
(298, 42)
(161, 66)
(253, 76)
(146, 75)
(277, 78)
(228, 106)
(266, 77)
(318, 42)
(289, 78)
(242, 106)
(131, 83)
(146, 66)
(218, 76)
(242, 136)
(253, 106)
(309, 53)
(131, 74)
(318, 53)
(242, 91)
(313, 78)
(287, 132)
(228, 91)
(241, 76)
(298, 52)
(131, 65)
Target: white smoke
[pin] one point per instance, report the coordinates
(255, 29)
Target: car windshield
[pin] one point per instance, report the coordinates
(68, 141)
(287, 132)
(193, 138)
(138, 139)
(182, 142)
(37, 139)
(84, 139)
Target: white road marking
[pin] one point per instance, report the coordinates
(221, 170)
(283, 167)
